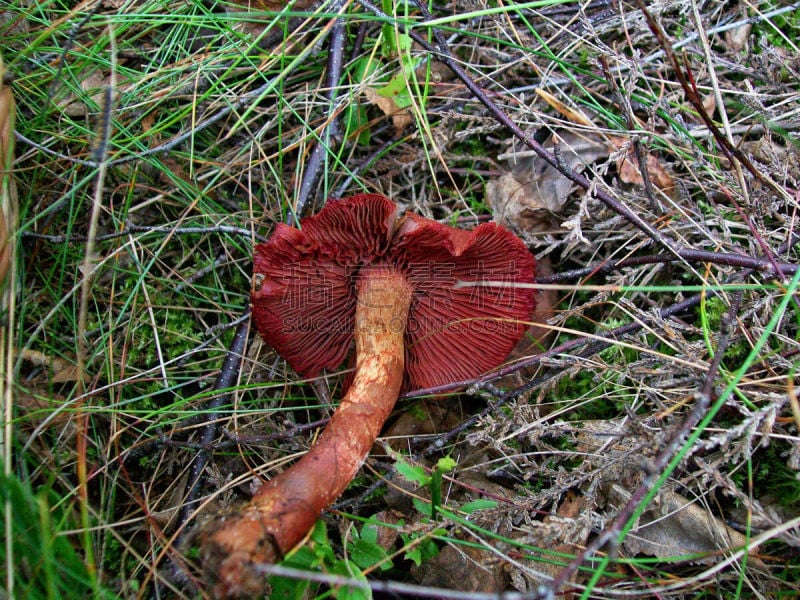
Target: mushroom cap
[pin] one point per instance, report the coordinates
(304, 289)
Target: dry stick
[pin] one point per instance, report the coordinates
(226, 380)
(654, 469)
(761, 265)
(231, 365)
(331, 133)
(88, 274)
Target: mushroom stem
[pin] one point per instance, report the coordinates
(281, 513)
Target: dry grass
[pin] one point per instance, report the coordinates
(158, 141)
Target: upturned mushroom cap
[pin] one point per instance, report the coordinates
(304, 289)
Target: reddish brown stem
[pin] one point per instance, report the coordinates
(286, 507)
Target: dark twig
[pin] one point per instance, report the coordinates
(729, 259)
(624, 101)
(226, 380)
(373, 156)
(690, 89)
(331, 133)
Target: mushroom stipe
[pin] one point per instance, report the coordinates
(358, 271)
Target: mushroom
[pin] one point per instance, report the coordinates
(359, 270)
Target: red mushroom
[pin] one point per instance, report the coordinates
(359, 270)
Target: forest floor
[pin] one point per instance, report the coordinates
(646, 441)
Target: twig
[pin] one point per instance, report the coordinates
(331, 133)
(689, 86)
(624, 101)
(729, 259)
(88, 273)
(226, 380)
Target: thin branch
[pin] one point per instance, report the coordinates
(624, 102)
(729, 259)
(331, 132)
(689, 86)
(225, 381)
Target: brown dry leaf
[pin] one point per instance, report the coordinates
(674, 526)
(401, 117)
(710, 103)
(93, 84)
(60, 370)
(527, 195)
(629, 171)
(464, 569)
(387, 536)
(429, 416)
(737, 37)
(48, 405)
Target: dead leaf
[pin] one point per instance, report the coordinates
(630, 172)
(533, 190)
(92, 84)
(47, 405)
(737, 37)
(674, 526)
(60, 370)
(426, 417)
(387, 536)
(401, 117)
(710, 104)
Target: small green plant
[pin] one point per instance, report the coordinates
(318, 555)
(433, 482)
(420, 546)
